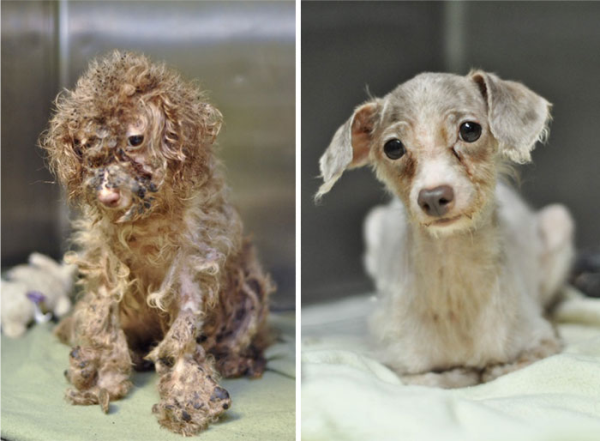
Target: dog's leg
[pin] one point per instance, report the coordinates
(100, 364)
(190, 395)
(556, 228)
(240, 330)
(453, 378)
(545, 349)
(239, 345)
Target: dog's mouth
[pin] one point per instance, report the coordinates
(129, 208)
(444, 221)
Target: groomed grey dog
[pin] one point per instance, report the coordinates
(463, 267)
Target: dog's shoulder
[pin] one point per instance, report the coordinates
(514, 214)
(384, 233)
(518, 227)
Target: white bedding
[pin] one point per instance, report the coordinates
(348, 395)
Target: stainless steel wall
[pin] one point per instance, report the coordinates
(553, 47)
(243, 53)
(29, 203)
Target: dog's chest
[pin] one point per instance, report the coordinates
(148, 252)
(442, 304)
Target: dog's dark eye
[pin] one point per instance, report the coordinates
(77, 148)
(394, 149)
(470, 131)
(135, 140)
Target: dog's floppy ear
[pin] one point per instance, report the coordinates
(188, 128)
(63, 153)
(349, 147)
(518, 117)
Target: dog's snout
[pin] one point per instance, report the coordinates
(109, 196)
(436, 201)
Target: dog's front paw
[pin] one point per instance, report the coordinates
(94, 395)
(90, 386)
(450, 379)
(187, 417)
(191, 398)
(83, 367)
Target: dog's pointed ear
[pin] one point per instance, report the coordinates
(350, 145)
(518, 117)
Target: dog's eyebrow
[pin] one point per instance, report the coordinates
(396, 115)
(395, 127)
(461, 115)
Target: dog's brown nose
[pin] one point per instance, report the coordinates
(109, 196)
(436, 201)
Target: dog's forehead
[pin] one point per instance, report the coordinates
(429, 96)
(105, 113)
(110, 91)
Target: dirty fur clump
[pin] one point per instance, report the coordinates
(167, 276)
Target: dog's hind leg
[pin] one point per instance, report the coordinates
(237, 329)
(556, 228)
(545, 349)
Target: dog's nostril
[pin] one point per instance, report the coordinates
(436, 201)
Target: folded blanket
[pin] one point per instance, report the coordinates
(348, 395)
(33, 407)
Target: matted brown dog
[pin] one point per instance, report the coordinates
(167, 275)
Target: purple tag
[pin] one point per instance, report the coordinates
(36, 297)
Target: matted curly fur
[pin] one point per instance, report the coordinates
(166, 274)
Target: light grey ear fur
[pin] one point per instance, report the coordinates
(518, 117)
(336, 158)
(348, 147)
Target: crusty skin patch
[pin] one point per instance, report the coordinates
(168, 278)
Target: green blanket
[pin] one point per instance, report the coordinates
(348, 395)
(33, 407)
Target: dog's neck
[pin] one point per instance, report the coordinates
(459, 263)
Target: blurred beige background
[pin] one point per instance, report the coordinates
(552, 47)
(243, 53)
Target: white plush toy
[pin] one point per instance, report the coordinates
(35, 292)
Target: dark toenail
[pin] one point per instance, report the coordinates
(198, 405)
(219, 394)
(82, 364)
(66, 373)
(75, 352)
(185, 416)
(225, 406)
